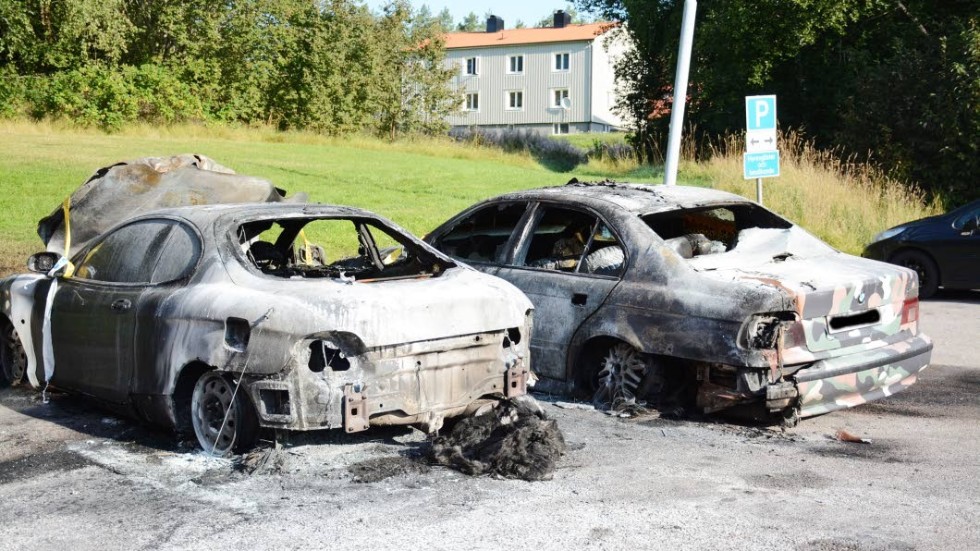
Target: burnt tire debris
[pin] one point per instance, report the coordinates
(512, 440)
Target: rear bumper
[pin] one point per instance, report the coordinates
(855, 379)
(422, 382)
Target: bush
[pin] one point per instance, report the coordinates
(12, 92)
(614, 152)
(91, 95)
(162, 96)
(557, 155)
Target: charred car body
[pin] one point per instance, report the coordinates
(225, 318)
(658, 292)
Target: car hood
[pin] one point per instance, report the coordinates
(818, 280)
(461, 301)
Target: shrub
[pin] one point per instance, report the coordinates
(614, 152)
(91, 95)
(162, 96)
(557, 155)
(12, 92)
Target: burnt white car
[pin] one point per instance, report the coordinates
(680, 295)
(227, 318)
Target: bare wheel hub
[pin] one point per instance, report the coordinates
(620, 375)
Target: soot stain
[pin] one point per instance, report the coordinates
(32, 466)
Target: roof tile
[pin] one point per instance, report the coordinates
(510, 37)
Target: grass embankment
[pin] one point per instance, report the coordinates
(417, 183)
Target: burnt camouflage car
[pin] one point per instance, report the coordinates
(680, 295)
(227, 318)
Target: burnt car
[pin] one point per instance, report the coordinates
(697, 297)
(943, 250)
(227, 318)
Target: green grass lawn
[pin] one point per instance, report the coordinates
(418, 184)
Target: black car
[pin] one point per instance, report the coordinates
(944, 250)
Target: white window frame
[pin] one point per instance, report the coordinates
(472, 106)
(555, 65)
(552, 95)
(507, 100)
(476, 66)
(510, 64)
(556, 129)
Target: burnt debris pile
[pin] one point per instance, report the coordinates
(512, 440)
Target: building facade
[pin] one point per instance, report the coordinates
(555, 80)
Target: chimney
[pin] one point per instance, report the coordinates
(494, 24)
(562, 19)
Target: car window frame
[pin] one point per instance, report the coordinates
(230, 232)
(80, 255)
(643, 214)
(508, 245)
(519, 249)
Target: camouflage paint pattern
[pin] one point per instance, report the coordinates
(834, 384)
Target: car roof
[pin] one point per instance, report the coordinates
(636, 198)
(202, 215)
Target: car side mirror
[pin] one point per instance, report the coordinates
(970, 227)
(52, 264)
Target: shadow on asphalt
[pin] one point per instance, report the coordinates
(955, 295)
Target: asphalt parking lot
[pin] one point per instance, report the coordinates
(79, 478)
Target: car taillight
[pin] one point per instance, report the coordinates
(910, 311)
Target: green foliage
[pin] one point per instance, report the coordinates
(417, 101)
(471, 23)
(329, 66)
(896, 81)
(12, 92)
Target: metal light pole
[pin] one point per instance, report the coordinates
(680, 92)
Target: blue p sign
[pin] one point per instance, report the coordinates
(760, 113)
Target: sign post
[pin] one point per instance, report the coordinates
(761, 159)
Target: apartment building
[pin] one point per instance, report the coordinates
(557, 80)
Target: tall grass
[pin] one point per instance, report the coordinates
(845, 201)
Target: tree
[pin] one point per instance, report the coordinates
(446, 20)
(44, 36)
(471, 23)
(898, 79)
(415, 93)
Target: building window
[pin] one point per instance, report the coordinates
(472, 66)
(515, 65)
(561, 62)
(472, 102)
(515, 100)
(560, 128)
(559, 97)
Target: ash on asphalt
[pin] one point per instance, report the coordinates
(381, 468)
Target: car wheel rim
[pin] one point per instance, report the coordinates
(620, 373)
(920, 270)
(214, 414)
(14, 357)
